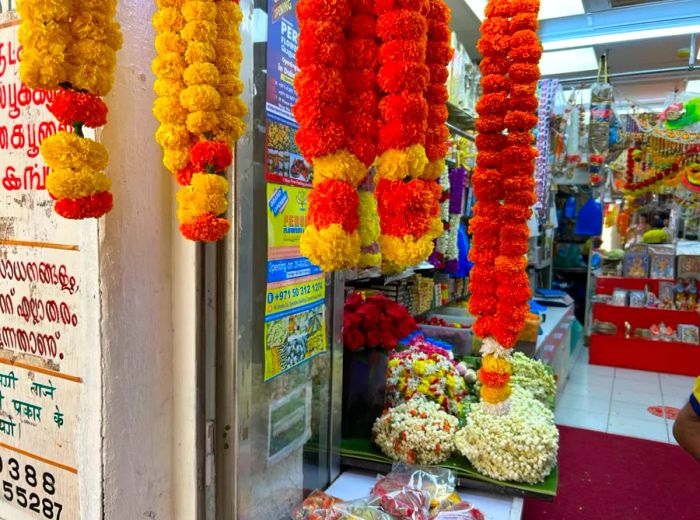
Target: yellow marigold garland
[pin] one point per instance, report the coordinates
(70, 47)
(199, 106)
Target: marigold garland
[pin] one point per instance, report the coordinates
(504, 185)
(330, 103)
(407, 195)
(199, 107)
(70, 48)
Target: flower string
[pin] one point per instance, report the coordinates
(70, 47)
(331, 238)
(199, 106)
(408, 205)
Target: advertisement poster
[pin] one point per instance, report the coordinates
(47, 311)
(286, 219)
(284, 162)
(295, 323)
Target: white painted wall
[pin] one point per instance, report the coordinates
(147, 276)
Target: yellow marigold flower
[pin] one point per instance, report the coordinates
(169, 110)
(341, 166)
(90, 25)
(42, 69)
(397, 165)
(228, 66)
(201, 74)
(114, 37)
(95, 79)
(170, 65)
(92, 52)
(370, 260)
(200, 52)
(202, 122)
(436, 228)
(169, 19)
(65, 150)
(226, 48)
(229, 10)
(109, 7)
(434, 170)
(406, 251)
(76, 183)
(44, 10)
(369, 220)
(199, 31)
(168, 87)
(205, 194)
(175, 159)
(168, 42)
(52, 36)
(200, 98)
(233, 105)
(494, 395)
(170, 3)
(331, 248)
(173, 136)
(229, 129)
(198, 10)
(500, 365)
(230, 85)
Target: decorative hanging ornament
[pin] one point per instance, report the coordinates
(75, 60)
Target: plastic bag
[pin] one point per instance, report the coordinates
(436, 483)
(405, 503)
(317, 506)
(362, 509)
(460, 511)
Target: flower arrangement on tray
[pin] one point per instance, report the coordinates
(70, 48)
(198, 105)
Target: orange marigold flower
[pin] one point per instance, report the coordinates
(402, 50)
(404, 106)
(493, 104)
(205, 228)
(495, 83)
(402, 24)
(397, 76)
(334, 202)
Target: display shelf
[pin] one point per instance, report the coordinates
(643, 354)
(362, 454)
(578, 270)
(607, 284)
(642, 317)
(459, 117)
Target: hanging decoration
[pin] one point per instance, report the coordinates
(370, 257)
(547, 92)
(457, 178)
(331, 238)
(199, 106)
(504, 187)
(407, 197)
(70, 48)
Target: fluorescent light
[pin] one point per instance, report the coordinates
(600, 39)
(693, 86)
(548, 8)
(570, 60)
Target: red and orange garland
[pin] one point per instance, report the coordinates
(408, 205)
(199, 106)
(331, 238)
(504, 186)
(70, 48)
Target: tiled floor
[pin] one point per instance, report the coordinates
(616, 400)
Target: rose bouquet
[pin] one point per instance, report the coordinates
(375, 322)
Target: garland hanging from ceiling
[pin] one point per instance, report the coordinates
(331, 238)
(199, 106)
(504, 187)
(70, 48)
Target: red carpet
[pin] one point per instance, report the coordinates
(610, 477)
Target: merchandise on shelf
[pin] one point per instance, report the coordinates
(374, 322)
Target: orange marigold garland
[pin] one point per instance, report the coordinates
(331, 238)
(407, 205)
(504, 187)
(70, 48)
(199, 106)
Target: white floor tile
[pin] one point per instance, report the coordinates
(676, 380)
(585, 403)
(633, 410)
(631, 385)
(580, 388)
(584, 368)
(581, 419)
(637, 375)
(641, 429)
(677, 399)
(633, 396)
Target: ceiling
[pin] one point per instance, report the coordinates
(626, 59)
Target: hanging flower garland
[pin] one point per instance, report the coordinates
(408, 205)
(457, 178)
(437, 258)
(199, 106)
(370, 257)
(505, 172)
(71, 48)
(331, 238)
